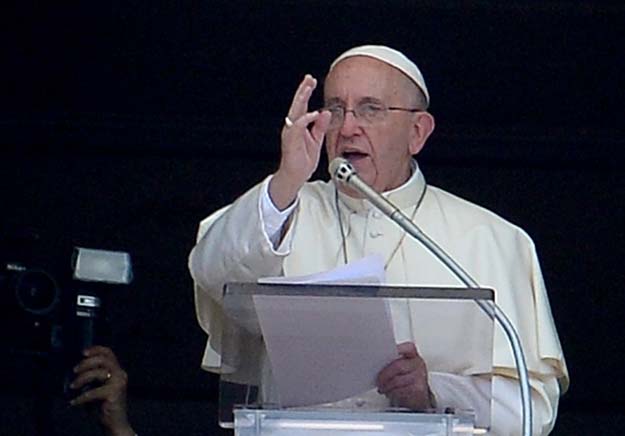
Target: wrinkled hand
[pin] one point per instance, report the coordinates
(301, 146)
(404, 381)
(101, 365)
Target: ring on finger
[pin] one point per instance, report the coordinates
(288, 122)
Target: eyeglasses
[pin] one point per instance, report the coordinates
(367, 112)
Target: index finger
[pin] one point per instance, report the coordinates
(299, 105)
(98, 349)
(97, 360)
(97, 394)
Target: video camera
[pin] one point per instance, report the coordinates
(53, 317)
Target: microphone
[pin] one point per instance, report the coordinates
(342, 172)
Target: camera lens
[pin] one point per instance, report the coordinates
(36, 292)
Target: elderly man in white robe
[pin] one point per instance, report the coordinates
(375, 115)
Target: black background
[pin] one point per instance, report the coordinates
(122, 124)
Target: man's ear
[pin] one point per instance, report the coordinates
(422, 128)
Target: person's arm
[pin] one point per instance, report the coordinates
(233, 245)
(507, 411)
(407, 383)
(100, 365)
(274, 221)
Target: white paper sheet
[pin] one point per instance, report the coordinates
(325, 349)
(368, 270)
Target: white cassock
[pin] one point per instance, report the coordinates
(233, 245)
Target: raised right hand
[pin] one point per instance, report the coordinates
(301, 146)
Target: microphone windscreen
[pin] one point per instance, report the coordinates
(341, 169)
(333, 167)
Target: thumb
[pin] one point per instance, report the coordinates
(407, 350)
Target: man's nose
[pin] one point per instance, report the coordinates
(351, 124)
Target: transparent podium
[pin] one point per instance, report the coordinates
(303, 359)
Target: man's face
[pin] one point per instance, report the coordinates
(380, 152)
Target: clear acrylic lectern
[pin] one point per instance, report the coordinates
(291, 354)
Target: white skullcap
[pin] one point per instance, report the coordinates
(392, 57)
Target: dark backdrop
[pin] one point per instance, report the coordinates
(123, 124)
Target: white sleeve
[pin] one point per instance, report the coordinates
(505, 416)
(273, 219)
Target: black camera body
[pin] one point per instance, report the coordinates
(30, 312)
(39, 317)
(49, 315)
(51, 323)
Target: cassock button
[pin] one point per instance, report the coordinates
(375, 233)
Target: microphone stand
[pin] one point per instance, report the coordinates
(344, 172)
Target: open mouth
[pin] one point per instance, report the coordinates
(353, 155)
